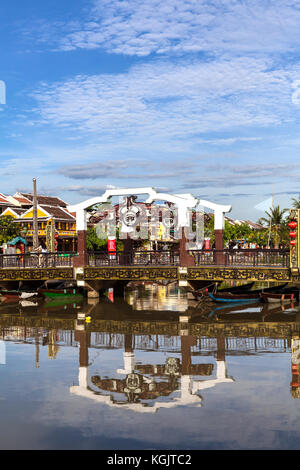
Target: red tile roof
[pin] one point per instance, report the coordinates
(3, 199)
(21, 199)
(45, 200)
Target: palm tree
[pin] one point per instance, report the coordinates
(296, 202)
(277, 224)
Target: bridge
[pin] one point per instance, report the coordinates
(238, 265)
(185, 262)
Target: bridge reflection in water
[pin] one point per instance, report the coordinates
(167, 356)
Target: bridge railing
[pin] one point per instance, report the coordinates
(37, 260)
(241, 257)
(136, 258)
(238, 258)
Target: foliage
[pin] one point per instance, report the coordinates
(296, 202)
(94, 243)
(276, 224)
(259, 237)
(209, 230)
(237, 231)
(8, 229)
(231, 231)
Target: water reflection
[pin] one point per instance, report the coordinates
(164, 296)
(144, 357)
(127, 325)
(141, 386)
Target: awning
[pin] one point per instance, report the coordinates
(16, 240)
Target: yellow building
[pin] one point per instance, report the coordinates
(55, 223)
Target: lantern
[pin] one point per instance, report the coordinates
(293, 242)
(207, 244)
(293, 234)
(293, 224)
(111, 245)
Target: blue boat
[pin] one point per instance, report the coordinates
(250, 296)
(228, 297)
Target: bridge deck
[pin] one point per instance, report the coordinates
(257, 265)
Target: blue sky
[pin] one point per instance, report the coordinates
(183, 95)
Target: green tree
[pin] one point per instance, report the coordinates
(276, 224)
(209, 230)
(94, 243)
(242, 231)
(296, 202)
(259, 237)
(231, 231)
(8, 229)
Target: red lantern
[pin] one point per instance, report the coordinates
(112, 245)
(293, 242)
(293, 234)
(207, 244)
(293, 224)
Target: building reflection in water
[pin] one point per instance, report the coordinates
(143, 385)
(295, 383)
(149, 296)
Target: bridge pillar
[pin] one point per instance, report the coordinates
(128, 250)
(83, 337)
(186, 343)
(219, 244)
(93, 288)
(185, 258)
(219, 234)
(81, 259)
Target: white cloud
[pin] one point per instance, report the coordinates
(139, 28)
(166, 101)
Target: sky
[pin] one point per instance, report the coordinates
(186, 96)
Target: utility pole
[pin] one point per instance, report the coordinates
(35, 221)
(272, 210)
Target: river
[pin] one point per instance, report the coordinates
(153, 370)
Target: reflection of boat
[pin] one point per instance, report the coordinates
(11, 300)
(241, 308)
(249, 296)
(253, 311)
(63, 301)
(28, 303)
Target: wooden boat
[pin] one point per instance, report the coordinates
(275, 297)
(16, 294)
(210, 288)
(235, 297)
(72, 292)
(250, 296)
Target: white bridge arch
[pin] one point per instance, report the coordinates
(184, 202)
